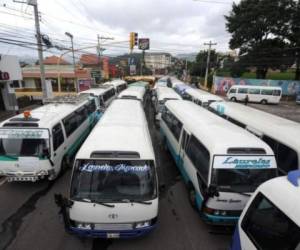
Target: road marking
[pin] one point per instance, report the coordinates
(2, 181)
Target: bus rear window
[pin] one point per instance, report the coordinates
(268, 227)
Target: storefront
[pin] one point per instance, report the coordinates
(10, 74)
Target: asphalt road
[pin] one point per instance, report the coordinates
(29, 217)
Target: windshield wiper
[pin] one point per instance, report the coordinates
(234, 191)
(135, 201)
(97, 202)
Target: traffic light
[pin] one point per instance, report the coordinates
(133, 39)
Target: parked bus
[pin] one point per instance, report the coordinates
(201, 97)
(118, 84)
(280, 134)
(40, 143)
(163, 94)
(134, 92)
(144, 84)
(114, 187)
(104, 94)
(271, 219)
(221, 163)
(260, 94)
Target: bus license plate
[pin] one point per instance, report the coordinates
(112, 235)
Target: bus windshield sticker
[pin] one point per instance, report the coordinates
(116, 168)
(24, 134)
(242, 162)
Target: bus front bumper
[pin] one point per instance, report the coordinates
(220, 220)
(122, 234)
(26, 176)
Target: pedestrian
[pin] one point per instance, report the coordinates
(246, 100)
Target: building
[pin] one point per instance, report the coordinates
(158, 61)
(10, 75)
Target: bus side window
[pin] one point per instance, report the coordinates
(199, 156)
(184, 140)
(267, 227)
(287, 158)
(58, 136)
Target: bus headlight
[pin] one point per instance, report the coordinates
(86, 226)
(142, 224)
(42, 172)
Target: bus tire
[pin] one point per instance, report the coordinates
(233, 99)
(264, 102)
(192, 197)
(64, 165)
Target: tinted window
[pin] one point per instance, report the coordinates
(91, 106)
(232, 91)
(266, 91)
(254, 91)
(268, 227)
(243, 91)
(172, 122)
(58, 136)
(276, 92)
(199, 156)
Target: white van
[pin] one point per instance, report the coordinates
(271, 219)
(280, 134)
(201, 97)
(104, 94)
(40, 143)
(114, 192)
(163, 94)
(260, 94)
(220, 163)
(118, 84)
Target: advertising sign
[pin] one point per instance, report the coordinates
(244, 162)
(10, 69)
(144, 43)
(84, 84)
(222, 84)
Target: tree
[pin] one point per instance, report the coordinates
(199, 66)
(254, 26)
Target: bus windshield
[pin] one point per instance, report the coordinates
(21, 142)
(114, 180)
(242, 173)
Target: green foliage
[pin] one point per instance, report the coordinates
(260, 29)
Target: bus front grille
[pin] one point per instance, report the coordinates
(113, 226)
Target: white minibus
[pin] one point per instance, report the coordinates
(280, 134)
(221, 163)
(133, 92)
(114, 187)
(104, 94)
(118, 84)
(40, 143)
(271, 219)
(260, 94)
(163, 94)
(202, 97)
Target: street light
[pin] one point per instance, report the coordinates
(71, 37)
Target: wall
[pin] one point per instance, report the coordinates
(222, 84)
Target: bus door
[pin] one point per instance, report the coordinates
(182, 152)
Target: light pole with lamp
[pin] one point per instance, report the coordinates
(73, 55)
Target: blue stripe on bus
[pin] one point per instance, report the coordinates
(236, 240)
(219, 218)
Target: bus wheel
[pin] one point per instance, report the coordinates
(264, 102)
(64, 165)
(192, 197)
(233, 99)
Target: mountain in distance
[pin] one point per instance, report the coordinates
(187, 56)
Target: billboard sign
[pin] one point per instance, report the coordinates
(144, 43)
(10, 69)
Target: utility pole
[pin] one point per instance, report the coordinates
(208, 61)
(74, 65)
(39, 44)
(99, 38)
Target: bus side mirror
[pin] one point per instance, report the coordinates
(212, 191)
(62, 201)
(46, 153)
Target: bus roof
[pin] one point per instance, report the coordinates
(115, 83)
(123, 127)
(47, 115)
(255, 87)
(216, 133)
(167, 93)
(96, 91)
(286, 196)
(203, 95)
(285, 131)
(134, 92)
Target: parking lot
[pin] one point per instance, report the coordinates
(29, 218)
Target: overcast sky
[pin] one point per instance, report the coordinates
(176, 26)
